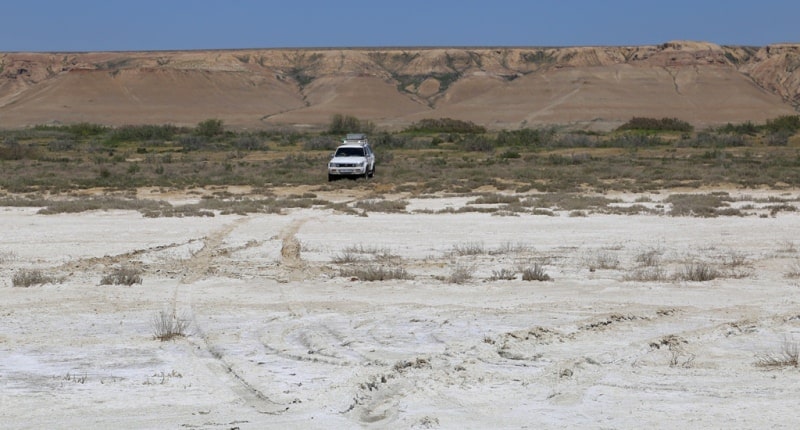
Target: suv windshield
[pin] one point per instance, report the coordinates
(350, 152)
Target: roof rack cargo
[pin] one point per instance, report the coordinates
(355, 138)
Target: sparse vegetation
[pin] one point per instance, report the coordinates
(460, 274)
(653, 124)
(372, 273)
(31, 277)
(123, 275)
(787, 356)
(503, 275)
(438, 155)
(469, 248)
(168, 325)
(697, 271)
(534, 272)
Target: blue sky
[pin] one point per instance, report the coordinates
(111, 25)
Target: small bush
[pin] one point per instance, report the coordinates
(460, 274)
(445, 125)
(346, 257)
(471, 248)
(210, 128)
(653, 124)
(649, 258)
(124, 275)
(786, 123)
(788, 356)
(794, 271)
(535, 273)
(702, 205)
(646, 274)
(375, 273)
(343, 124)
(167, 326)
(603, 260)
(503, 275)
(378, 205)
(29, 277)
(697, 272)
(320, 143)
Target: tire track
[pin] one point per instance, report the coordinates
(193, 270)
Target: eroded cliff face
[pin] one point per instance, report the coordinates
(591, 87)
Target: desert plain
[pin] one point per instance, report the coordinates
(429, 307)
(281, 327)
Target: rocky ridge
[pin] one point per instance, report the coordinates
(585, 87)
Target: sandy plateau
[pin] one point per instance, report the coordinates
(278, 338)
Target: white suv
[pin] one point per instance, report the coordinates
(353, 158)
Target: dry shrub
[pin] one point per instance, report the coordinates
(697, 272)
(534, 273)
(503, 274)
(788, 356)
(649, 258)
(346, 257)
(460, 274)
(647, 274)
(603, 260)
(471, 248)
(123, 275)
(378, 205)
(29, 277)
(167, 326)
(794, 271)
(375, 273)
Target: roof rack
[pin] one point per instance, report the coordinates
(355, 138)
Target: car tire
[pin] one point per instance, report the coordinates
(372, 172)
(331, 177)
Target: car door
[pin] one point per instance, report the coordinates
(370, 157)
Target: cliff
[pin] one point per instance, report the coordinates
(584, 87)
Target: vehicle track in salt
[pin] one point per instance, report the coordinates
(193, 270)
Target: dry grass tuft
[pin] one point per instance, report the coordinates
(697, 272)
(534, 273)
(375, 273)
(167, 326)
(123, 275)
(460, 274)
(470, 248)
(30, 277)
(503, 275)
(788, 356)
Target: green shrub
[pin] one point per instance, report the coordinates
(522, 137)
(141, 133)
(445, 125)
(790, 123)
(653, 124)
(210, 128)
(320, 143)
(343, 124)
